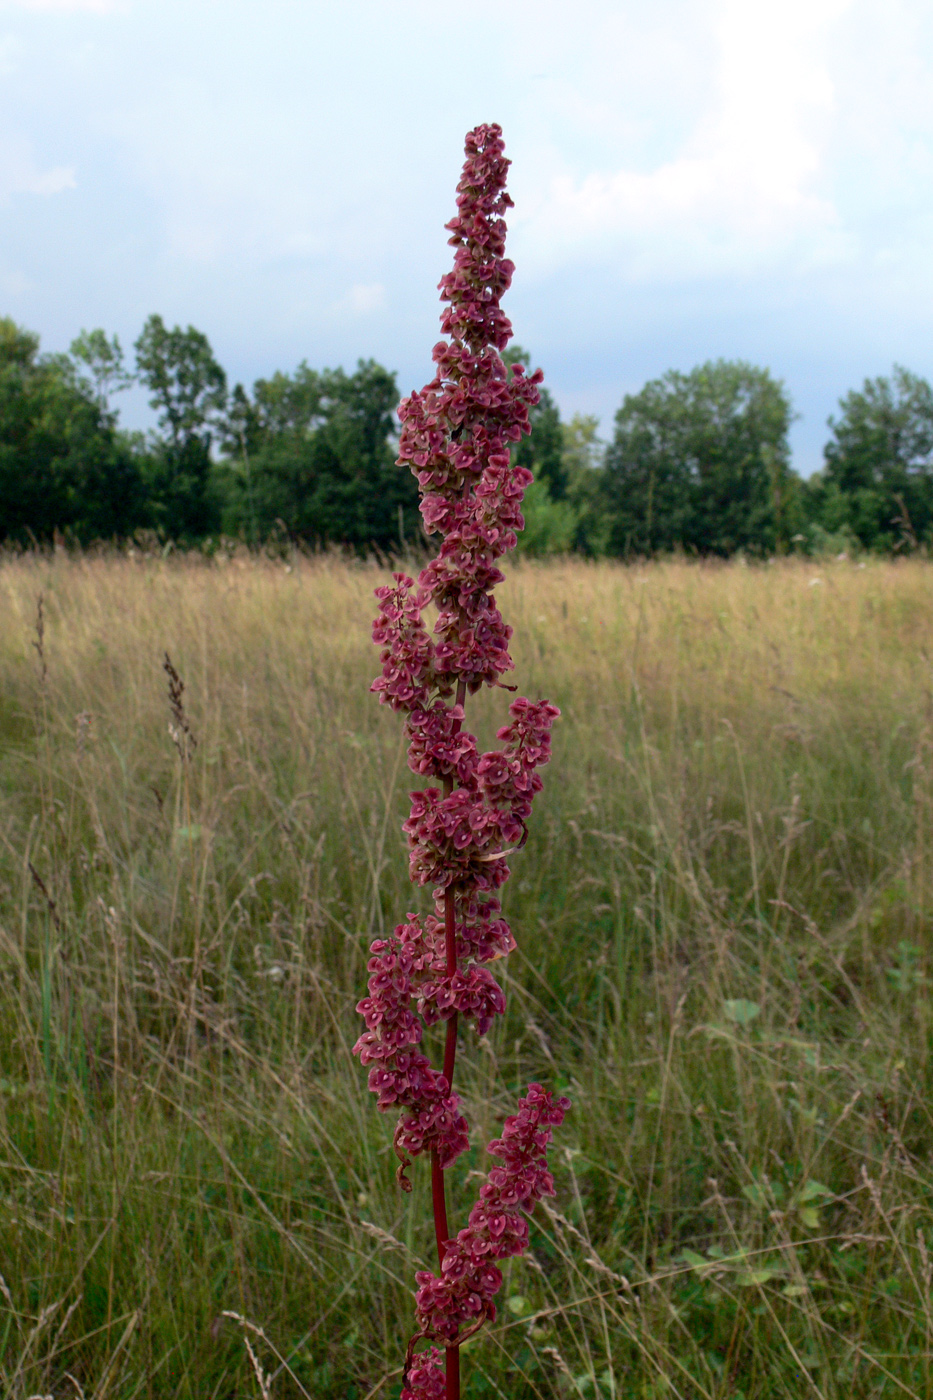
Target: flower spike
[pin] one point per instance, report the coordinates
(456, 437)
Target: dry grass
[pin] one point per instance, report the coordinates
(723, 915)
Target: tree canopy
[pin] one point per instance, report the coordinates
(541, 451)
(188, 390)
(312, 453)
(700, 461)
(62, 464)
(877, 482)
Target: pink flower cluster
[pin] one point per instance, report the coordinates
(462, 1293)
(458, 840)
(460, 1297)
(457, 432)
(425, 1377)
(456, 437)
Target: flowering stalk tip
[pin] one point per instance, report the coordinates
(456, 437)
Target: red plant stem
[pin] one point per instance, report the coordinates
(438, 1191)
(452, 1373)
(450, 1054)
(450, 947)
(439, 1202)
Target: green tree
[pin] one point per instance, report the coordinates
(188, 390)
(700, 461)
(284, 409)
(313, 453)
(264, 437)
(584, 458)
(877, 483)
(582, 451)
(542, 451)
(102, 362)
(62, 464)
(575, 521)
(550, 526)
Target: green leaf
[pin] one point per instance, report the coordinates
(813, 1190)
(518, 1305)
(696, 1261)
(753, 1278)
(741, 1012)
(810, 1217)
(795, 1290)
(188, 833)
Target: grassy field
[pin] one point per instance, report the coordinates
(723, 915)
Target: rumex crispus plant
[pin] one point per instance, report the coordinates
(456, 436)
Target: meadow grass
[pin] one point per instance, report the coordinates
(723, 917)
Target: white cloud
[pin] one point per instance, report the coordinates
(19, 173)
(95, 7)
(60, 177)
(745, 186)
(363, 299)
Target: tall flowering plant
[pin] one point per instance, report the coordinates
(455, 437)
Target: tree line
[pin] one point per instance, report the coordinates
(698, 461)
(306, 456)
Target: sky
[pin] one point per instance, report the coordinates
(693, 179)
